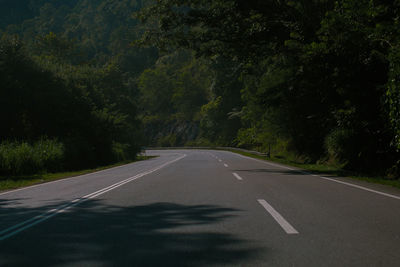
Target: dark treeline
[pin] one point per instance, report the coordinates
(67, 95)
(89, 110)
(316, 80)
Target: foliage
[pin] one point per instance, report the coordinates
(318, 78)
(340, 144)
(220, 117)
(393, 94)
(82, 106)
(320, 74)
(167, 141)
(23, 158)
(171, 96)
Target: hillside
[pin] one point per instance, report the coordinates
(315, 81)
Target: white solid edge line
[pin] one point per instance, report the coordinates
(48, 214)
(361, 187)
(325, 178)
(65, 179)
(237, 176)
(289, 229)
(226, 165)
(265, 162)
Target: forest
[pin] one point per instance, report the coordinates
(85, 83)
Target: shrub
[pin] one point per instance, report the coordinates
(50, 154)
(167, 141)
(121, 152)
(22, 158)
(340, 145)
(200, 142)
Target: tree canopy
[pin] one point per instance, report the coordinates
(320, 74)
(317, 80)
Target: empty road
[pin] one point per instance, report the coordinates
(201, 208)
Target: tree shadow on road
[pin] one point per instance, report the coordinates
(275, 171)
(158, 234)
(334, 174)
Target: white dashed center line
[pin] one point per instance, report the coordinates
(237, 176)
(278, 218)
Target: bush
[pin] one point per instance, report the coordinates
(22, 158)
(341, 145)
(200, 142)
(50, 154)
(121, 152)
(167, 141)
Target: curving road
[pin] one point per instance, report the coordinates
(200, 208)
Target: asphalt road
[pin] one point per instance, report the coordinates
(200, 208)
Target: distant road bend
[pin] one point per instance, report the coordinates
(200, 208)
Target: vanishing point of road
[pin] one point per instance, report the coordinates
(201, 208)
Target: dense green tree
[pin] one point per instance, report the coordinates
(84, 107)
(172, 94)
(319, 78)
(220, 117)
(355, 38)
(314, 73)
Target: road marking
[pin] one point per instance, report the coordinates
(265, 162)
(237, 176)
(278, 218)
(325, 178)
(13, 230)
(226, 165)
(214, 156)
(65, 179)
(220, 160)
(361, 187)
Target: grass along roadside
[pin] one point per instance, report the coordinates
(325, 169)
(15, 182)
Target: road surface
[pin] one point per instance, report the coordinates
(200, 208)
